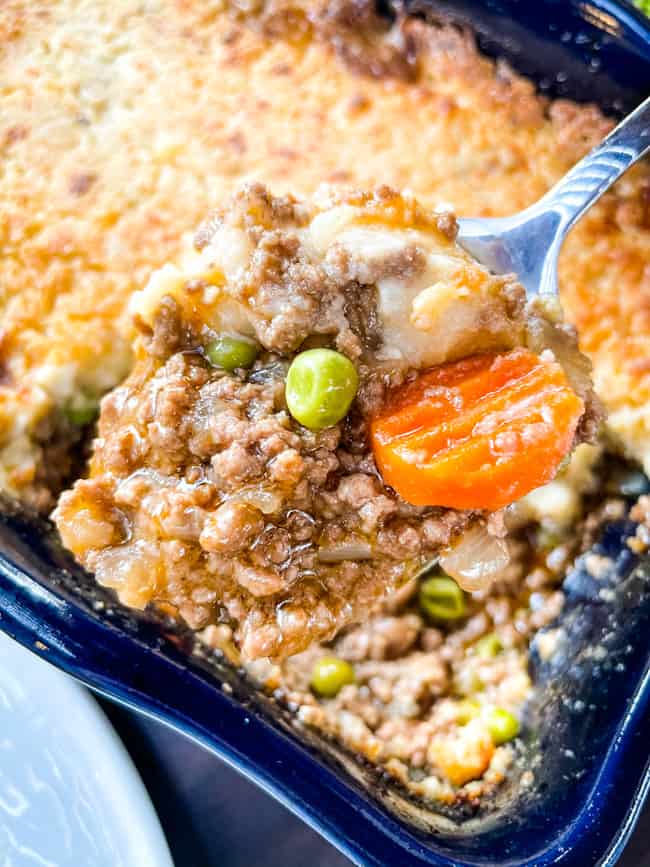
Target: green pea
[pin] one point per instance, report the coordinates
(321, 385)
(330, 674)
(82, 412)
(503, 725)
(231, 352)
(488, 646)
(466, 682)
(442, 599)
(466, 710)
(643, 5)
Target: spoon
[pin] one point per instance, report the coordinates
(528, 243)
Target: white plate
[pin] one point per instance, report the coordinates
(69, 793)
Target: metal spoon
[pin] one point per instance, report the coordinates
(528, 243)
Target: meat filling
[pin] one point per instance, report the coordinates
(205, 491)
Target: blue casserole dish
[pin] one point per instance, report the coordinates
(585, 734)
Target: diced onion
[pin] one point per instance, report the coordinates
(476, 560)
(350, 551)
(578, 368)
(264, 499)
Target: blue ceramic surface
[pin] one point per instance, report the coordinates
(586, 734)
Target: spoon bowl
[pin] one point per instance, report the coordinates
(528, 243)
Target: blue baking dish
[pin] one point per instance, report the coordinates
(585, 735)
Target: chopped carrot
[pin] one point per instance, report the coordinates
(477, 433)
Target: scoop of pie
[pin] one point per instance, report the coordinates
(205, 493)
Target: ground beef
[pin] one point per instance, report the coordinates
(352, 29)
(63, 448)
(204, 493)
(211, 443)
(423, 689)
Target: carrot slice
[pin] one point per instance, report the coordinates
(477, 433)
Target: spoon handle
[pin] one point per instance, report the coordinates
(594, 174)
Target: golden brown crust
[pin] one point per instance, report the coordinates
(119, 130)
